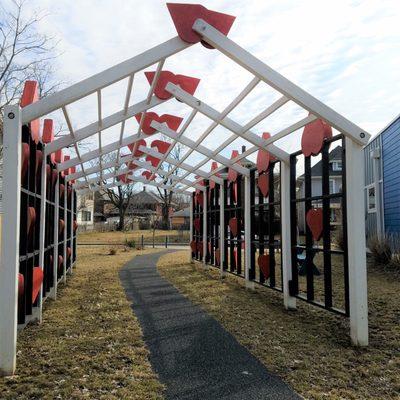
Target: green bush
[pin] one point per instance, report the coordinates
(130, 243)
(381, 249)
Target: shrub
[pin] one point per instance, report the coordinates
(130, 243)
(113, 251)
(339, 239)
(381, 249)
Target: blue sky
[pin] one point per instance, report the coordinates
(346, 53)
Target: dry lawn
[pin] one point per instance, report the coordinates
(309, 348)
(90, 345)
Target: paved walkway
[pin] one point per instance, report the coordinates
(194, 356)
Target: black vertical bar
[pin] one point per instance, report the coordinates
(271, 223)
(294, 285)
(309, 239)
(226, 219)
(326, 232)
(239, 216)
(261, 227)
(252, 271)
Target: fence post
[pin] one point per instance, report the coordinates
(56, 235)
(205, 200)
(247, 232)
(71, 234)
(286, 241)
(356, 243)
(42, 227)
(142, 242)
(9, 267)
(65, 233)
(166, 241)
(222, 228)
(153, 238)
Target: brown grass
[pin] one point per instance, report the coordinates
(90, 345)
(308, 348)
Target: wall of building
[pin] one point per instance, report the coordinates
(391, 176)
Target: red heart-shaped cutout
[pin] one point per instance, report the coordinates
(172, 121)
(314, 220)
(134, 147)
(197, 224)
(233, 226)
(193, 246)
(147, 175)
(214, 166)
(313, 137)
(37, 282)
(263, 263)
(161, 146)
(232, 174)
(217, 256)
(263, 184)
(153, 160)
(31, 220)
(263, 156)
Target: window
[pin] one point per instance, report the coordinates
(332, 186)
(371, 200)
(336, 165)
(86, 216)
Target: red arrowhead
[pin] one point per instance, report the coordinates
(187, 83)
(263, 184)
(184, 16)
(314, 219)
(263, 263)
(313, 137)
(172, 121)
(37, 282)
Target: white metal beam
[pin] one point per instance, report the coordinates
(279, 82)
(102, 79)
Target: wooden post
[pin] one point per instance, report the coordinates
(9, 267)
(247, 233)
(356, 243)
(286, 243)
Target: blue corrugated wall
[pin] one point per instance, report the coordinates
(391, 176)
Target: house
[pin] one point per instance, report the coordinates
(90, 209)
(181, 219)
(382, 181)
(335, 186)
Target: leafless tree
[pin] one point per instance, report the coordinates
(120, 197)
(24, 54)
(168, 197)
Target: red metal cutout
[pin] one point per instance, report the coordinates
(59, 156)
(313, 137)
(214, 166)
(37, 282)
(48, 135)
(232, 174)
(314, 220)
(21, 284)
(193, 246)
(30, 95)
(69, 252)
(54, 177)
(185, 15)
(61, 226)
(263, 263)
(263, 184)
(200, 198)
(187, 83)
(200, 248)
(39, 160)
(31, 220)
(61, 190)
(263, 156)
(124, 178)
(197, 224)
(60, 262)
(161, 146)
(154, 160)
(147, 175)
(172, 121)
(75, 225)
(233, 226)
(218, 256)
(136, 152)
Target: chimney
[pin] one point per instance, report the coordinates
(243, 149)
(144, 188)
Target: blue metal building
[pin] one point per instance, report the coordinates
(382, 181)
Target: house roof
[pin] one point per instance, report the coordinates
(182, 213)
(316, 170)
(145, 197)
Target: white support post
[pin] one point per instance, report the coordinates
(191, 227)
(71, 232)
(9, 267)
(356, 243)
(247, 233)
(375, 156)
(56, 238)
(42, 223)
(205, 205)
(65, 235)
(286, 242)
(221, 228)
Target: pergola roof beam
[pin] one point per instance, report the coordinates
(279, 82)
(107, 122)
(226, 122)
(102, 79)
(199, 148)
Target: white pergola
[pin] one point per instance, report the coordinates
(91, 178)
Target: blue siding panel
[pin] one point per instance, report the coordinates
(391, 176)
